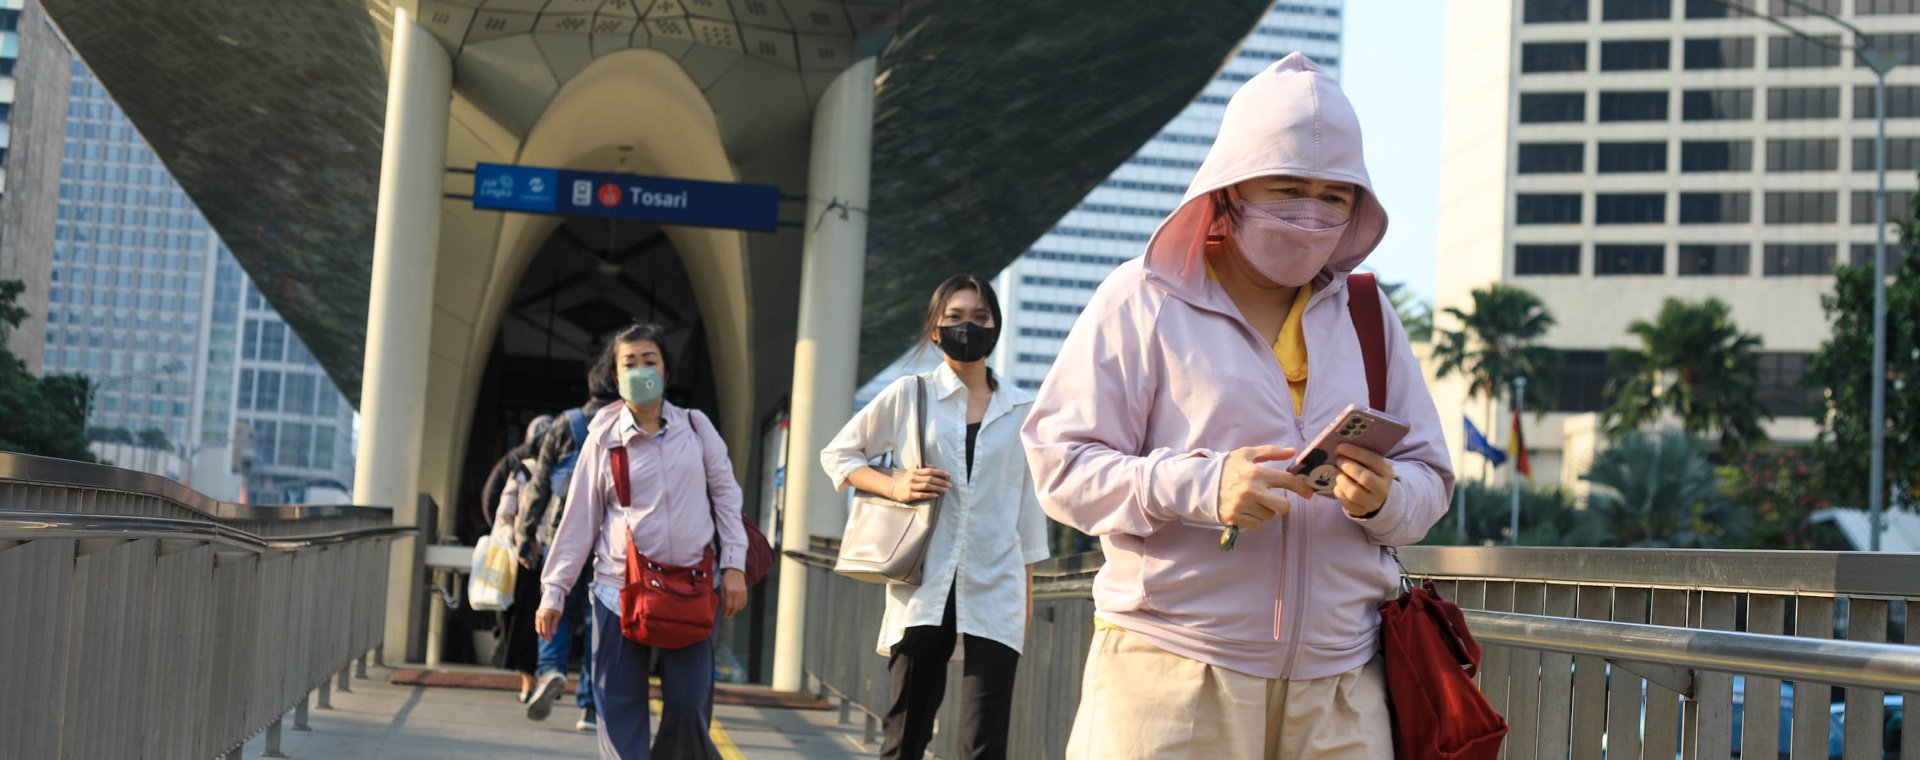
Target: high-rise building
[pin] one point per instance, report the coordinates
(145, 299)
(1609, 155)
(1043, 291)
(35, 66)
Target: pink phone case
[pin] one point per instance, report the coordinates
(1366, 428)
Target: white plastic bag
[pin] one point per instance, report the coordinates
(490, 584)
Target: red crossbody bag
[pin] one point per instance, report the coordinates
(1430, 657)
(661, 605)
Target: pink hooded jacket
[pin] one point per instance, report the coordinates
(1162, 377)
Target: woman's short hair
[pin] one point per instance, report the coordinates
(603, 381)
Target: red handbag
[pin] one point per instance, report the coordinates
(1437, 710)
(1430, 656)
(661, 605)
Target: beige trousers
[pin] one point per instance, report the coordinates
(1139, 701)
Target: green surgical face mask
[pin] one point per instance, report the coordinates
(641, 386)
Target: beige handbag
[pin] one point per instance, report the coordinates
(886, 540)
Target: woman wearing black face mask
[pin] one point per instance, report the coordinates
(977, 583)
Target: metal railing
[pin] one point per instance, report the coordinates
(1590, 653)
(143, 619)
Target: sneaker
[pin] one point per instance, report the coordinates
(523, 696)
(541, 704)
(589, 721)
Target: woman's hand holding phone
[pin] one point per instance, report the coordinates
(1365, 480)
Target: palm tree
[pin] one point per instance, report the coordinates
(1659, 491)
(1694, 362)
(1496, 343)
(1415, 315)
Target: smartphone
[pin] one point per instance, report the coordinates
(1374, 431)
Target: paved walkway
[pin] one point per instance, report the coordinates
(380, 719)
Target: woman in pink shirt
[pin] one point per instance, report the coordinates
(1178, 399)
(682, 497)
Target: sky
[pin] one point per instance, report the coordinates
(1390, 69)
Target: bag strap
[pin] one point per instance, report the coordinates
(920, 420)
(1363, 305)
(617, 469)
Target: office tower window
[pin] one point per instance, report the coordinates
(1716, 156)
(1582, 378)
(1546, 57)
(1716, 208)
(1799, 7)
(1861, 254)
(1624, 157)
(1862, 205)
(1554, 11)
(1716, 105)
(266, 391)
(328, 401)
(1636, 55)
(1801, 207)
(1611, 260)
(1903, 101)
(1646, 105)
(1547, 208)
(1885, 7)
(323, 447)
(1786, 52)
(1780, 390)
(1629, 208)
(1718, 53)
(1803, 103)
(1552, 158)
(1903, 154)
(297, 394)
(1817, 155)
(1714, 259)
(1546, 260)
(1635, 10)
(1552, 107)
(1799, 259)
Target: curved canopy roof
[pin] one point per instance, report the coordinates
(993, 118)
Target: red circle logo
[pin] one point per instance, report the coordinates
(609, 195)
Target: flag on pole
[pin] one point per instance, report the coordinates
(1478, 444)
(1517, 448)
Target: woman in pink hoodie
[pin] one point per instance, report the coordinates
(1178, 399)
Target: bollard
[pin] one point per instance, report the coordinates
(873, 728)
(360, 667)
(300, 716)
(846, 707)
(326, 694)
(273, 739)
(343, 686)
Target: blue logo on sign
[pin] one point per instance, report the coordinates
(666, 200)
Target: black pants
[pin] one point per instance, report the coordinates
(919, 668)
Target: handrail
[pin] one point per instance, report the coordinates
(1881, 667)
(26, 468)
(45, 525)
(1883, 574)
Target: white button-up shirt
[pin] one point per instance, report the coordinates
(990, 527)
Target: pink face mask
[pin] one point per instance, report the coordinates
(1289, 241)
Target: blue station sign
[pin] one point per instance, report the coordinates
(564, 192)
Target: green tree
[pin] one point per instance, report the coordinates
(1694, 362)
(1416, 315)
(1841, 369)
(153, 438)
(1778, 487)
(1547, 517)
(1497, 342)
(42, 416)
(1657, 490)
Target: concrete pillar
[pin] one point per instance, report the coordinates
(406, 244)
(828, 344)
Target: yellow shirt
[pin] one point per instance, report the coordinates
(1291, 347)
